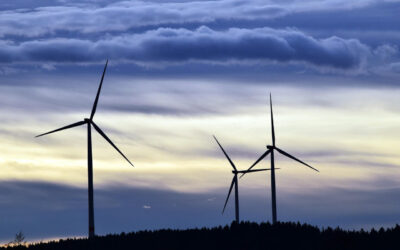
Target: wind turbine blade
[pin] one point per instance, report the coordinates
(294, 158)
(227, 156)
(109, 141)
(98, 92)
(65, 127)
(257, 161)
(254, 170)
(272, 120)
(229, 194)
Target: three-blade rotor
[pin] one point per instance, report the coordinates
(87, 121)
(273, 147)
(281, 152)
(235, 180)
(235, 172)
(90, 121)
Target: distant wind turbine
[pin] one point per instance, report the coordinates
(235, 181)
(90, 123)
(271, 151)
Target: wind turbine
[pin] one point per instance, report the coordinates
(235, 181)
(270, 150)
(90, 123)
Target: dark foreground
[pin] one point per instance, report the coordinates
(243, 236)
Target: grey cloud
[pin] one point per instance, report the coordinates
(395, 67)
(171, 97)
(352, 206)
(162, 110)
(345, 19)
(316, 158)
(32, 4)
(128, 31)
(94, 16)
(43, 210)
(202, 44)
(129, 14)
(367, 163)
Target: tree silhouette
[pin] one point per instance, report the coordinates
(242, 236)
(18, 240)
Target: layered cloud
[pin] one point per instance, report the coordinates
(202, 44)
(211, 32)
(124, 15)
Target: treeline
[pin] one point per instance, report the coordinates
(243, 236)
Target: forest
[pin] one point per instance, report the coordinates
(242, 236)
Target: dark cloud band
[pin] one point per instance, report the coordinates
(203, 44)
(93, 16)
(61, 210)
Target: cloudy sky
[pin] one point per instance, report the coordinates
(179, 72)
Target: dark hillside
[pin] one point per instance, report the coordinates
(243, 236)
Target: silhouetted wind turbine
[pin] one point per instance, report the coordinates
(90, 123)
(235, 182)
(271, 151)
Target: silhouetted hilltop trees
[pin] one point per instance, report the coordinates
(243, 236)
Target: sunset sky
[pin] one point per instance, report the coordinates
(179, 72)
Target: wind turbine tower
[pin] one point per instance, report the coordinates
(271, 149)
(89, 122)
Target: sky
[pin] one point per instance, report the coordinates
(182, 71)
